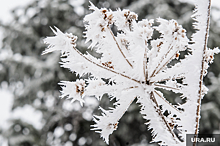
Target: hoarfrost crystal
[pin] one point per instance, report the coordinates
(138, 66)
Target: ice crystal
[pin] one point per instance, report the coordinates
(137, 66)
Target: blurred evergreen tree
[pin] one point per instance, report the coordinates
(34, 79)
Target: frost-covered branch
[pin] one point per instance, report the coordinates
(156, 107)
(202, 17)
(169, 104)
(119, 46)
(134, 65)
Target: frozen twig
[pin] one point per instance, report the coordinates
(136, 70)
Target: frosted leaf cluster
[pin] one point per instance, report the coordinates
(134, 65)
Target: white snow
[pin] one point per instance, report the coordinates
(6, 99)
(58, 132)
(23, 113)
(7, 6)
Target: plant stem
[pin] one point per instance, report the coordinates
(202, 73)
(119, 47)
(106, 67)
(157, 108)
(167, 101)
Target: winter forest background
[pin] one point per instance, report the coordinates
(32, 79)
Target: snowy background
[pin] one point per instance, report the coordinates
(6, 98)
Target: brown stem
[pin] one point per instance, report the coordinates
(145, 63)
(157, 108)
(165, 86)
(202, 73)
(167, 101)
(154, 72)
(165, 63)
(119, 46)
(105, 67)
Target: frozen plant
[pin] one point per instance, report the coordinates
(137, 66)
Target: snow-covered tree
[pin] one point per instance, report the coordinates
(136, 65)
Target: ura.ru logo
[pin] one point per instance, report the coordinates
(208, 139)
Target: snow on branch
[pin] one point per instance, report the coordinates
(137, 66)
